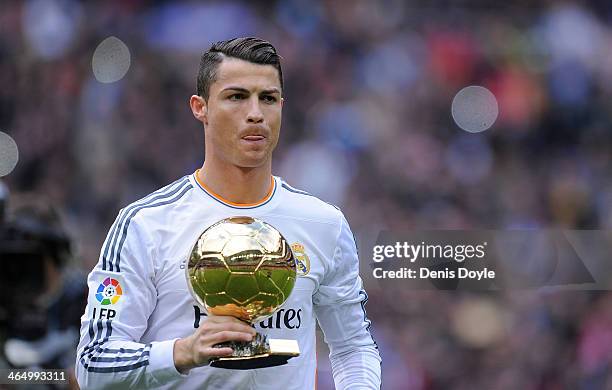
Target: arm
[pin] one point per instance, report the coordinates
(339, 306)
(109, 352)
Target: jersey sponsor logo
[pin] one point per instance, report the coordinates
(199, 313)
(109, 291)
(301, 258)
(282, 319)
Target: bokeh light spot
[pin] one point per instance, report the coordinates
(9, 154)
(111, 60)
(474, 109)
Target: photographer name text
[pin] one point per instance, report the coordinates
(404, 251)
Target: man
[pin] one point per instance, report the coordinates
(145, 330)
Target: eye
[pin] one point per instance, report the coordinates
(236, 96)
(268, 99)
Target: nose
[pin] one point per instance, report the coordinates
(255, 115)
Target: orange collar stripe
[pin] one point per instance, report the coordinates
(229, 202)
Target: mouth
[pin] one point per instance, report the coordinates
(257, 141)
(254, 135)
(253, 138)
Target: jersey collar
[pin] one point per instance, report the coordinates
(234, 205)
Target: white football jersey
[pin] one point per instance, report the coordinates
(139, 302)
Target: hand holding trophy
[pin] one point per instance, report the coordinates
(244, 268)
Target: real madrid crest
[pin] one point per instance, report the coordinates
(301, 258)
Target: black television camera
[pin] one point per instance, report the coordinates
(41, 299)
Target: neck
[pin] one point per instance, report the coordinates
(236, 184)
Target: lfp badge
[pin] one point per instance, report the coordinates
(109, 291)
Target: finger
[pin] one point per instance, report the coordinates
(232, 326)
(235, 328)
(226, 319)
(227, 335)
(217, 352)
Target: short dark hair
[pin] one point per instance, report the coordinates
(249, 49)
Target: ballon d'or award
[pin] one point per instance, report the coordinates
(243, 267)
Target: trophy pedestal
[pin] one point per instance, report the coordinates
(270, 353)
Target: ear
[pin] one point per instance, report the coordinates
(199, 108)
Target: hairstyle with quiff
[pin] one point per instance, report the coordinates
(249, 49)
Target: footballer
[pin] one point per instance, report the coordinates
(143, 329)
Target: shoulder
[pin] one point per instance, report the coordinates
(159, 203)
(309, 206)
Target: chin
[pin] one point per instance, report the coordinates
(252, 162)
(252, 157)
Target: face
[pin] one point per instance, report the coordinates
(242, 116)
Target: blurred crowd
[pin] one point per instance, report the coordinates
(367, 125)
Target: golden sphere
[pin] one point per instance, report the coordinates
(241, 267)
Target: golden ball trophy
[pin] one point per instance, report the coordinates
(243, 267)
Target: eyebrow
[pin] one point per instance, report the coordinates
(244, 90)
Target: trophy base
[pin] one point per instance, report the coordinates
(247, 363)
(259, 353)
